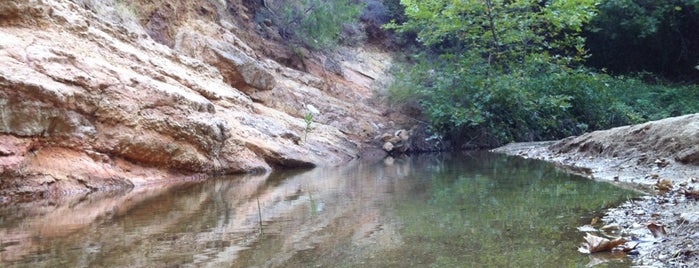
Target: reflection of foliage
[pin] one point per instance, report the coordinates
(508, 213)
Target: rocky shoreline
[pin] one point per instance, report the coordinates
(659, 158)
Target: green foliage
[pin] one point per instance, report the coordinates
(646, 35)
(318, 23)
(468, 104)
(499, 71)
(504, 32)
(308, 119)
(648, 101)
(126, 10)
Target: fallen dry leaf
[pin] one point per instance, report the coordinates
(658, 230)
(595, 243)
(693, 194)
(662, 162)
(664, 185)
(611, 226)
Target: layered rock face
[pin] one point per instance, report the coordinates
(89, 100)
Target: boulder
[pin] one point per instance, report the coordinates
(397, 142)
(388, 147)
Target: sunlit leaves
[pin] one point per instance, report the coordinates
(507, 30)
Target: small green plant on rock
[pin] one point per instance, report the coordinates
(309, 120)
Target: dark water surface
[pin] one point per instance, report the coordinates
(445, 210)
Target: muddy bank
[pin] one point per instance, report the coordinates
(660, 158)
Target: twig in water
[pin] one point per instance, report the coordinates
(259, 213)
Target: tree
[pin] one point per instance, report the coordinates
(626, 32)
(502, 67)
(505, 32)
(497, 71)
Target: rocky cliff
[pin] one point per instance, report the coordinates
(95, 95)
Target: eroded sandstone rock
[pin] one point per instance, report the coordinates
(89, 101)
(19, 13)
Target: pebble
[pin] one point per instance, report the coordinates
(587, 228)
(612, 226)
(639, 212)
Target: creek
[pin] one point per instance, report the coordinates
(473, 209)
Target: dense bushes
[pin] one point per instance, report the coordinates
(319, 24)
(498, 71)
(476, 108)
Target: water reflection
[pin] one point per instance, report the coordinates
(446, 210)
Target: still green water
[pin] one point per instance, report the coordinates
(444, 210)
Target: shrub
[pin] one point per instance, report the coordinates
(319, 24)
(477, 107)
(374, 16)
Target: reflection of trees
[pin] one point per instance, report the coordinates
(502, 211)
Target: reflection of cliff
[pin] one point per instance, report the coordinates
(71, 217)
(216, 222)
